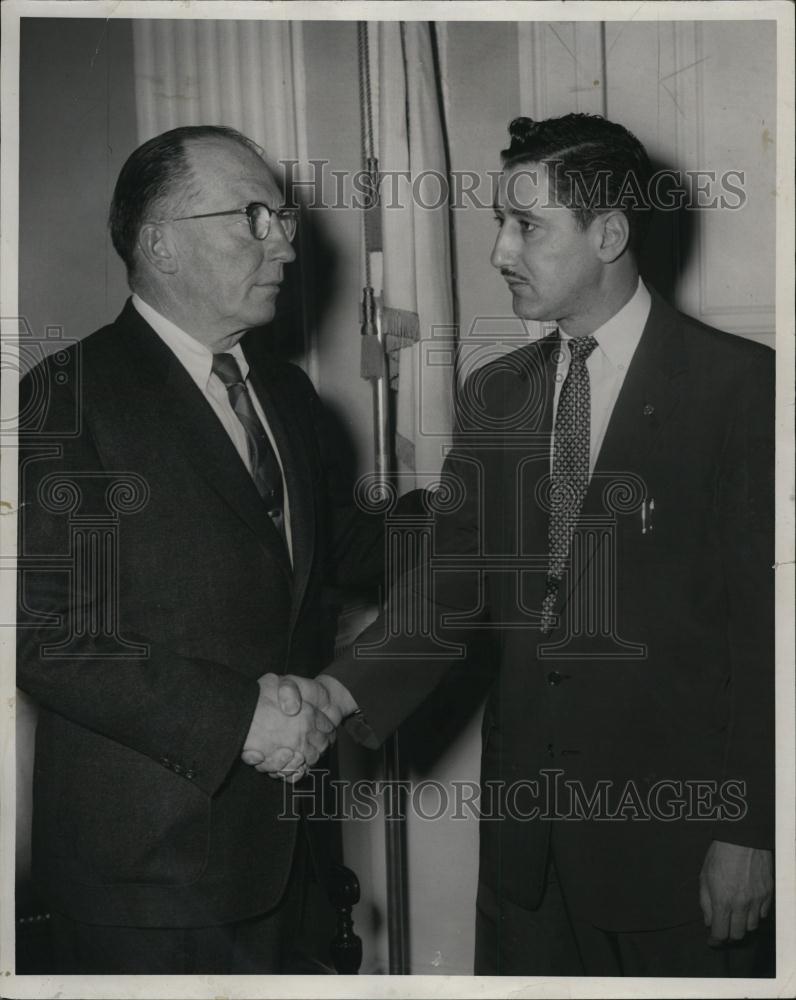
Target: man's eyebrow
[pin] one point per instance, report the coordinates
(516, 213)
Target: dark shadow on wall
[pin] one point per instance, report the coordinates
(671, 240)
(308, 286)
(77, 127)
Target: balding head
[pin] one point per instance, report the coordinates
(205, 242)
(157, 181)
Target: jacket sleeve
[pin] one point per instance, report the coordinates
(355, 555)
(745, 506)
(189, 715)
(400, 659)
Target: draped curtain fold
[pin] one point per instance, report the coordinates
(416, 244)
(239, 73)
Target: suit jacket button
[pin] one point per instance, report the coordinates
(554, 678)
(189, 774)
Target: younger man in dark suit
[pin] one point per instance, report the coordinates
(616, 527)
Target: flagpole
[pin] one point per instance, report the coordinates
(374, 368)
(394, 821)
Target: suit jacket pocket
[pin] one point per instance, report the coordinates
(108, 815)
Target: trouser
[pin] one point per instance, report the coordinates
(550, 941)
(287, 939)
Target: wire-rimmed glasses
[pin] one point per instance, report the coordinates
(259, 216)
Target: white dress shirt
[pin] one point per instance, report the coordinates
(607, 365)
(197, 360)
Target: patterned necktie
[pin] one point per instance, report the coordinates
(570, 477)
(265, 469)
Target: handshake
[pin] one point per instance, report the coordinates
(295, 720)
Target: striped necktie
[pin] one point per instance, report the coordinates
(264, 465)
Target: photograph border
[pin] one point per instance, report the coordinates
(780, 11)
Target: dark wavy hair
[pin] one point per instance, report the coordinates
(155, 174)
(594, 166)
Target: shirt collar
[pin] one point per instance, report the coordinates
(618, 338)
(195, 357)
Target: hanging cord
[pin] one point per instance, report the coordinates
(372, 354)
(365, 98)
(370, 164)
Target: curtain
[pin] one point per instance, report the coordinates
(247, 74)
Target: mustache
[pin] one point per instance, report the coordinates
(506, 272)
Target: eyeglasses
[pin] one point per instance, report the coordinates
(259, 216)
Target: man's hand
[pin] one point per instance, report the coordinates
(324, 692)
(736, 887)
(287, 733)
(326, 695)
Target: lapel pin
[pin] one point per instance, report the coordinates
(647, 511)
(649, 409)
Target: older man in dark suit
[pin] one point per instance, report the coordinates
(616, 527)
(179, 516)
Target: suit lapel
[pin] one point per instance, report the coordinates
(179, 409)
(535, 515)
(277, 406)
(649, 394)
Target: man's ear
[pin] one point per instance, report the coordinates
(157, 248)
(615, 235)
